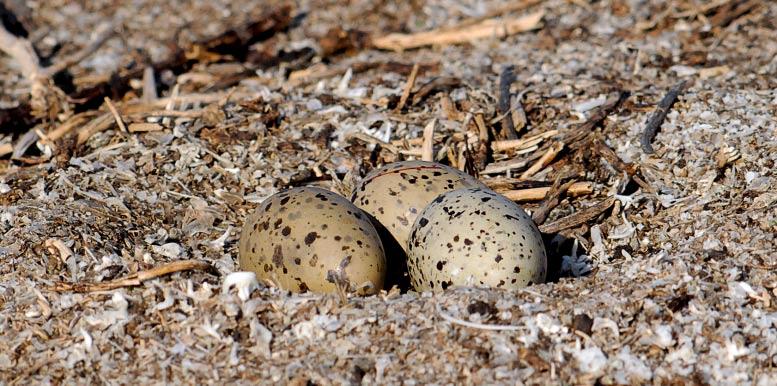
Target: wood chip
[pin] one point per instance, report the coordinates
(6, 149)
(142, 127)
(428, 147)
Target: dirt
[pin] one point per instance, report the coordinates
(664, 273)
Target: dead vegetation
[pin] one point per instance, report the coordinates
(130, 155)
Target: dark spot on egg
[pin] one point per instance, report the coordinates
(277, 256)
(286, 230)
(310, 238)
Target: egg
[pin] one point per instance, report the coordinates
(397, 192)
(306, 239)
(475, 237)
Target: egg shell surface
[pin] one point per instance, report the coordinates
(395, 193)
(296, 237)
(475, 237)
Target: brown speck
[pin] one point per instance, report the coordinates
(286, 230)
(277, 256)
(310, 238)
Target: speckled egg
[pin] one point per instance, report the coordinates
(397, 192)
(304, 237)
(475, 237)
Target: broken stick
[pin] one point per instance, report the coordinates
(428, 146)
(537, 194)
(658, 117)
(506, 78)
(494, 27)
(545, 160)
(579, 217)
(138, 277)
(408, 87)
(551, 200)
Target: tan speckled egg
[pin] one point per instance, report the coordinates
(296, 237)
(475, 237)
(397, 192)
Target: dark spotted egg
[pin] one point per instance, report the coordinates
(397, 192)
(303, 238)
(474, 237)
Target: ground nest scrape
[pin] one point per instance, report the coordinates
(131, 155)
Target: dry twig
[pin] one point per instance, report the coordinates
(545, 160)
(435, 85)
(506, 78)
(115, 114)
(103, 32)
(408, 87)
(138, 277)
(460, 34)
(574, 138)
(479, 326)
(536, 194)
(551, 200)
(655, 121)
(428, 147)
(523, 143)
(578, 218)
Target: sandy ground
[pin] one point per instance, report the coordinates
(671, 286)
